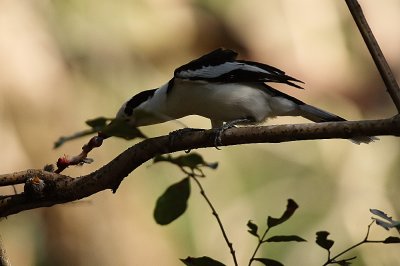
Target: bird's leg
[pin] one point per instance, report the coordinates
(228, 125)
(173, 135)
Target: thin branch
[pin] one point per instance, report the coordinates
(44, 189)
(365, 240)
(375, 51)
(214, 212)
(260, 241)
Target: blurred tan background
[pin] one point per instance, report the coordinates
(63, 62)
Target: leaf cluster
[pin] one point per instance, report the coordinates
(271, 222)
(385, 222)
(110, 127)
(174, 201)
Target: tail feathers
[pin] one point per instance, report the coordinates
(318, 115)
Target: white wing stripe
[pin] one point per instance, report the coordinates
(219, 70)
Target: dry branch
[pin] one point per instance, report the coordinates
(44, 189)
(375, 51)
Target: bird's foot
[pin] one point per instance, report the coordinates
(219, 131)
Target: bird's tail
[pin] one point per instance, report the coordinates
(318, 115)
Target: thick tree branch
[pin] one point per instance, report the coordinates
(44, 189)
(375, 51)
(4, 261)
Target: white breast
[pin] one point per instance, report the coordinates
(219, 101)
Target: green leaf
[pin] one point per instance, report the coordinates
(193, 161)
(290, 209)
(201, 261)
(172, 203)
(345, 262)
(381, 214)
(61, 140)
(120, 128)
(323, 241)
(388, 223)
(392, 240)
(268, 262)
(285, 239)
(97, 123)
(253, 228)
(115, 128)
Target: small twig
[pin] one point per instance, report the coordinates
(260, 241)
(214, 212)
(4, 261)
(343, 261)
(364, 241)
(76, 135)
(375, 51)
(94, 142)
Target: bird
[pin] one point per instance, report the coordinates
(225, 90)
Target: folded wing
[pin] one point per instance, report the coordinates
(221, 66)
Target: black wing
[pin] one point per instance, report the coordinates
(221, 66)
(214, 58)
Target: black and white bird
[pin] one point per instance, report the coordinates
(220, 87)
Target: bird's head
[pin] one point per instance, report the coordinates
(134, 110)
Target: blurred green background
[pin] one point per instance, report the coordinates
(63, 62)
